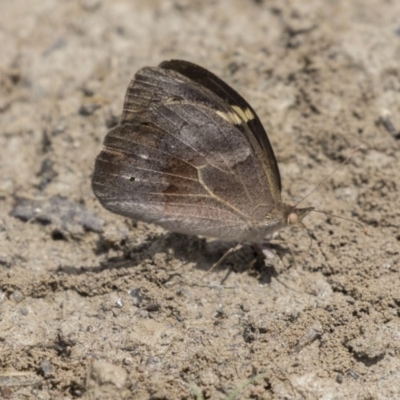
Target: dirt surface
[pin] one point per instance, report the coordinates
(96, 306)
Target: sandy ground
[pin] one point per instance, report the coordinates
(95, 306)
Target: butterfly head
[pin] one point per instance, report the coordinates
(284, 215)
(295, 215)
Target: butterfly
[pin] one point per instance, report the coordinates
(191, 155)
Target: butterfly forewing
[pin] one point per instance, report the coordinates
(216, 85)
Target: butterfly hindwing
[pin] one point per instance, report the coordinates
(133, 177)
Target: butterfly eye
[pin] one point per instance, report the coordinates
(292, 219)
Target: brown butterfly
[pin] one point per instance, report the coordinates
(191, 155)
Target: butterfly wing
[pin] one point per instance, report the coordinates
(180, 158)
(238, 103)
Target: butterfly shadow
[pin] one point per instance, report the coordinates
(178, 252)
(203, 254)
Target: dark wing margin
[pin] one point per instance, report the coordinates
(207, 79)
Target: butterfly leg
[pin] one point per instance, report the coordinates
(219, 262)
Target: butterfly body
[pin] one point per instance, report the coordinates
(191, 155)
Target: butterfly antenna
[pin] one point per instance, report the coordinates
(366, 230)
(330, 175)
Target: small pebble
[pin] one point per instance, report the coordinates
(17, 296)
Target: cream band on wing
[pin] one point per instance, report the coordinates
(238, 116)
